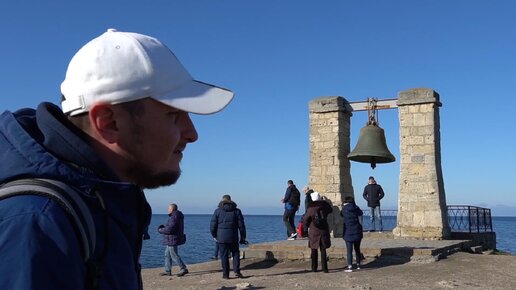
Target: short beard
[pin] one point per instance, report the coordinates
(139, 174)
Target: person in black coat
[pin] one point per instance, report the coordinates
(352, 230)
(216, 250)
(227, 221)
(373, 193)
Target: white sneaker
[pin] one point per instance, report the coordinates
(291, 239)
(358, 266)
(349, 269)
(293, 235)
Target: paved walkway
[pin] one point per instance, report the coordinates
(373, 245)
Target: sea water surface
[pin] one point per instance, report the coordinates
(265, 228)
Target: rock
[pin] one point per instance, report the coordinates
(243, 286)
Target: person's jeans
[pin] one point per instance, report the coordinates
(349, 249)
(225, 249)
(216, 251)
(171, 255)
(373, 217)
(288, 219)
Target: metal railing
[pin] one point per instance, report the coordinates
(461, 218)
(389, 219)
(467, 218)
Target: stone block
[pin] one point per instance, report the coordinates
(430, 139)
(329, 104)
(417, 96)
(413, 109)
(430, 119)
(424, 149)
(406, 120)
(420, 119)
(417, 158)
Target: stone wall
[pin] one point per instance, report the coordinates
(329, 146)
(421, 203)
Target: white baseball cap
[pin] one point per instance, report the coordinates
(315, 196)
(119, 67)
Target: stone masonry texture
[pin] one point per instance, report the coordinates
(422, 210)
(421, 203)
(329, 146)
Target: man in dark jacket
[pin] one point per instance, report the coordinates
(119, 131)
(226, 222)
(173, 236)
(292, 199)
(373, 193)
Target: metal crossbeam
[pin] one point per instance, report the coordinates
(380, 105)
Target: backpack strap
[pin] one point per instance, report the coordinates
(68, 198)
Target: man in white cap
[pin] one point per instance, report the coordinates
(123, 127)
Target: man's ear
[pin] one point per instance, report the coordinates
(104, 122)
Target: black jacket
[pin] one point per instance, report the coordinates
(226, 222)
(373, 193)
(308, 199)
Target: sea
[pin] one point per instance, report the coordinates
(266, 228)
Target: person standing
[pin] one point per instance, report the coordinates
(226, 223)
(173, 236)
(318, 230)
(308, 199)
(216, 249)
(352, 231)
(373, 193)
(123, 126)
(292, 199)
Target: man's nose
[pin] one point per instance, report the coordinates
(190, 133)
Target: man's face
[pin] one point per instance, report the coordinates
(170, 209)
(154, 140)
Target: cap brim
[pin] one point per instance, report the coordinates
(198, 98)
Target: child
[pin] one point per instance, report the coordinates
(352, 231)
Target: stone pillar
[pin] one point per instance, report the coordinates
(422, 211)
(329, 146)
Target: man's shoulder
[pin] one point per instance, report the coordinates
(37, 215)
(33, 225)
(28, 205)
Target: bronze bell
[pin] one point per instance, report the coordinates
(371, 147)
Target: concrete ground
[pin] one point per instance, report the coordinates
(457, 271)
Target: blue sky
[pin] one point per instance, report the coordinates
(277, 56)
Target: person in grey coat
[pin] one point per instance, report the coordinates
(352, 231)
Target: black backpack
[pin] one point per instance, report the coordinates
(319, 220)
(69, 199)
(295, 199)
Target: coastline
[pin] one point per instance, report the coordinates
(458, 271)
